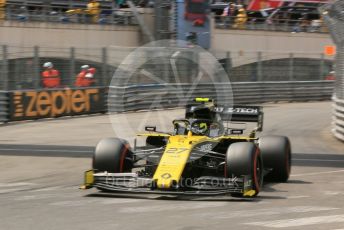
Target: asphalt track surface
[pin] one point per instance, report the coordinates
(41, 165)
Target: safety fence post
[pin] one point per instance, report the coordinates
(72, 66)
(4, 67)
(322, 67)
(259, 66)
(36, 67)
(104, 74)
(228, 63)
(291, 67)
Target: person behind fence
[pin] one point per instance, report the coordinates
(50, 76)
(229, 13)
(93, 9)
(240, 19)
(2, 9)
(86, 77)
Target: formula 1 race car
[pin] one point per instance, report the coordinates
(205, 155)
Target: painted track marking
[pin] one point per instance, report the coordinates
(270, 211)
(300, 221)
(316, 173)
(48, 150)
(317, 160)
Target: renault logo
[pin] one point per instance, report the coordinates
(166, 176)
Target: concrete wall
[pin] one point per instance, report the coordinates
(67, 35)
(244, 45)
(249, 40)
(88, 39)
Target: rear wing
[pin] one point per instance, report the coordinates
(242, 113)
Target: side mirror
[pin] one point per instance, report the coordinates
(150, 128)
(236, 131)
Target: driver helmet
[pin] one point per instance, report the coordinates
(199, 128)
(85, 67)
(48, 65)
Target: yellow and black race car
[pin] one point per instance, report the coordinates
(205, 155)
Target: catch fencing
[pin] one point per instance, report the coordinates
(141, 97)
(67, 13)
(333, 15)
(21, 67)
(338, 118)
(270, 24)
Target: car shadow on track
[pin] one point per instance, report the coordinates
(184, 198)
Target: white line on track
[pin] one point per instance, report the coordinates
(317, 160)
(334, 193)
(84, 202)
(171, 207)
(35, 197)
(316, 173)
(48, 150)
(297, 197)
(300, 221)
(269, 212)
(11, 190)
(48, 189)
(15, 184)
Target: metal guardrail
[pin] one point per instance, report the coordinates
(283, 25)
(68, 14)
(140, 97)
(3, 106)
(17, 105)
(338, 118)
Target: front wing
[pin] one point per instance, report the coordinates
(132, 183)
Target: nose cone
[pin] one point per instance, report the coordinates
(172, 162)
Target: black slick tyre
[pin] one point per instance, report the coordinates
(112, 155)
(244, 158)
(276, 154)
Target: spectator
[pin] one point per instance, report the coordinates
(2, 9)
(240, 19)
(229, 13)
(330, 76)
(50, 76)
(316, 25)
(304, 23)
(93, 9)
(86, 77)
(119, 3)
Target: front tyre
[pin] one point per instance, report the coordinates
(112, 155)
(276, 153)
(244, 158)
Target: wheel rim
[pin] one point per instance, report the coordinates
(257, 167)
(259, 171)
(288, 161)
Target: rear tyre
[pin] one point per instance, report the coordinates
(244, 159)
(112, 155)
(276, 154)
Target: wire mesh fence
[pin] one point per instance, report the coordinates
(21, 67)
(67, 13)
(283, 25)
(334, 17)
